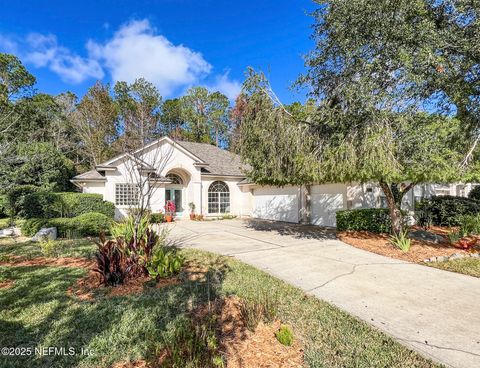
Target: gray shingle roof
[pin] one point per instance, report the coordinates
(220, 162)
(90, 175)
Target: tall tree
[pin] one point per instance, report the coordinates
(400, 55)
(206, 115)
(95, 123)
(335, 144)
(139, 106)
(172, 118)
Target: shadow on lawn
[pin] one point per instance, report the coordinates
(296, 230)
(37, 311)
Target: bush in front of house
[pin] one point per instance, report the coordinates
(445, 210)
(40, 204)
(157, 218)
(15, 198)
(475, 194)
(76, 204)
(44, 204)
(31, 226)
(84, 225)
(376, 220)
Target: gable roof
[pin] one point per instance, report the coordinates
(92, 175)
(213, 160)
(219, 162)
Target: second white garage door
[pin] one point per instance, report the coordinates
(279, 204)
(325, 201)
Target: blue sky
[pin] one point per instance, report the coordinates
(68, 45)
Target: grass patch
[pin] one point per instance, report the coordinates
(37, 311)
(467, 266)
(28, 249)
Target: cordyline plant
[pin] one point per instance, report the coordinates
(121, 259)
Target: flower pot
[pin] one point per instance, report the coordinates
(169, 218)
(192, 216)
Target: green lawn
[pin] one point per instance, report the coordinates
(36, 311)
(467, 266)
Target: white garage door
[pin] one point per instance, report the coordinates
(279, 204)
(326, 200)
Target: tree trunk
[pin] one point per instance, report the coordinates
(394, 194)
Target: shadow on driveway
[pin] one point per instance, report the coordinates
(298, 231)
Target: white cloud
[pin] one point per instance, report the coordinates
(135, 51)
(44, 51)
(8, 45)
(230, 88)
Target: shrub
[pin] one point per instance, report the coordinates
(50, 248)
(15, 198)
(454, 236)
(40, 204)
(31, 226)
(401, 241)
(76, 204)
(93, 223)
(164, 263)
(284, 335)
(66, 227)
(376, 220)
(111, 262)
(469, 225)
(157, 218)
(254, 311)
(475, 193)
(3, 206)
(446, 210)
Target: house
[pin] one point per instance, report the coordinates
(215, 181)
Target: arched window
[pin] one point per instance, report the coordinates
(175, 179)
(218, 197)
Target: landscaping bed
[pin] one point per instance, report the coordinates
(215, 310)
(420, 250)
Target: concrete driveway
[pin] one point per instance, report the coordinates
(432, 311)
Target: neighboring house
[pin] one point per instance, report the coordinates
(214, 180)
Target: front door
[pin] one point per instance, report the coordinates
(175, 195)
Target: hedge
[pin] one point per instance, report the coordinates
(87, 224)
(76, 204)
(376, 220)
(43, 204)
(15, 198)
(3, 206)
(445, 210)
(475, 194)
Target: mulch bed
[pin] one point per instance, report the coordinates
(7, 284)
(247, 349)
(420, 250)
(19, 261)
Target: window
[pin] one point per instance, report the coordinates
(383, 202)
(175, 179)
(126, 195)
(218, 197)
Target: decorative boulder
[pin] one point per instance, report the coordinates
(45, 233)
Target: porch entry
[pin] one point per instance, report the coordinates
(175, 195)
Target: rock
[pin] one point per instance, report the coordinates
(476, 255)
(441, 259)
(455, 256)
(426, 236)
(7, 232)
(45, 233)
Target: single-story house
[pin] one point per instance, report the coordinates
(215, 181)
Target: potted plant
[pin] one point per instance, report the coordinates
(169, 210)
(192, 210)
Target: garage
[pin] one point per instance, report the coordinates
(279, 204)
(325, 201)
